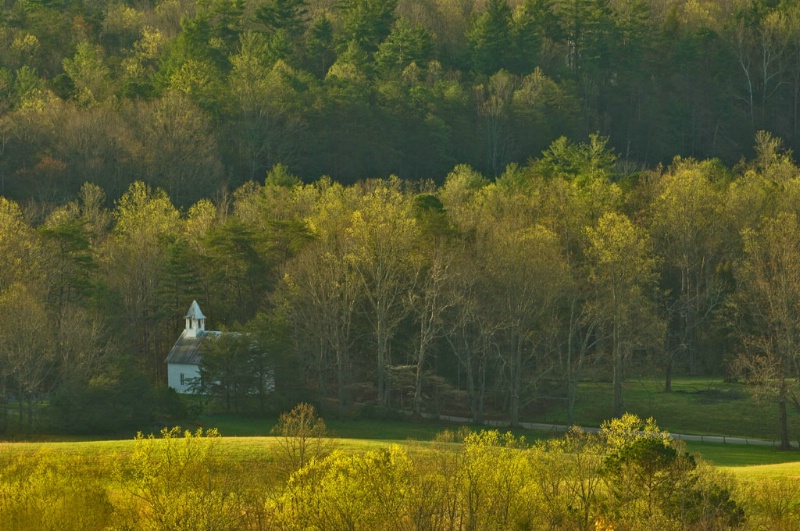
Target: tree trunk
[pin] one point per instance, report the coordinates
(21, 406)
(418, 390)
(321, 372)
(3, 406)
(569, 376)
(30, 412)
(381, 335)
(420, 363)
(482, 379)
(516, 381)
(473, 397)
(619, 405)
(668, 376)
(340, 380)
(572, 393)
(784, 425)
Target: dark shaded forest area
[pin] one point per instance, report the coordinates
(188, 94)
(506, 213)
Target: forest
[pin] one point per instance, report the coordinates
(480, 296)
(186, 95)
(429, 205)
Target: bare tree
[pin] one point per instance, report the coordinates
(302, 436)
(27, 345)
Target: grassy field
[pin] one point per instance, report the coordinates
(65, 483)
(756, 472)
(111, 481)
(258, 447)
(708, 406)
(696, 405)
(736, 455)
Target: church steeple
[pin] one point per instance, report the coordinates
(195, 321)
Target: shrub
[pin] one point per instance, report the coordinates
(177, 482)
(302, 436)
(52, 493)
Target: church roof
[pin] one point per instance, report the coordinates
(189, 350)
(194, 312)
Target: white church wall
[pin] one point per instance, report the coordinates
(179, 377)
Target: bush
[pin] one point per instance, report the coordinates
(51, 493)
(177, 482)
(302, 436)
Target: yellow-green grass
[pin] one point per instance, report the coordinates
(423, 430)
(739, 455)
(234, 448)
(756, 472)
(249, 449)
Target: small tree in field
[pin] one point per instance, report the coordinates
(655, 484)
(302, 436)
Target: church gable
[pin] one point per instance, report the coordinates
(183, 360)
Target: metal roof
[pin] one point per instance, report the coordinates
(194, 312)
(189, 350)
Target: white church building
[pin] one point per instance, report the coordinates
(183, 361)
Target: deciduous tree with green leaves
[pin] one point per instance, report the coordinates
(381, 240)
(766, 306)
(623, 275)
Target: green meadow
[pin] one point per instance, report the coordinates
(246, 479)
(696, 405)
(362, 436)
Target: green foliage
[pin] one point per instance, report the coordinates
(349, 492)
(658, 79)
(174, 482)
(196, 98)
(366, 22)
(68, 239)
(629, 477)
(403, 46)
(89, 75)
(237, 269)
(490, 37)
(279, 176)
(234, 368)
(583, 162)
(113, 399)
(52, 492)
(286, 15)
(655, 484)
(320, 50)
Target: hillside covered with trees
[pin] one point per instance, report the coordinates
(482, 296)
(520, 196)
(188, 94)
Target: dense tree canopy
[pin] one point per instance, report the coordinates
(493, 296)
(188, 95)
(521, 194)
